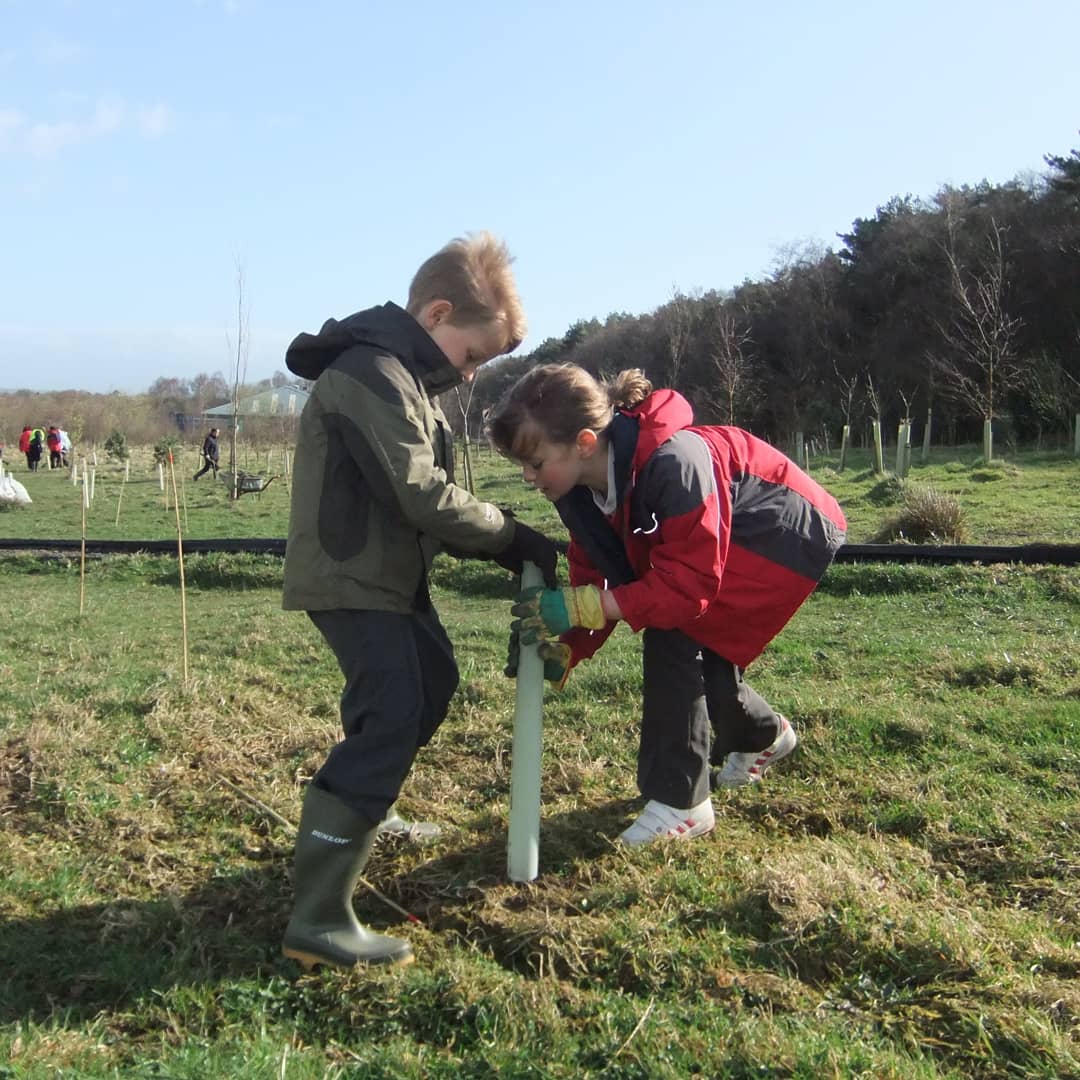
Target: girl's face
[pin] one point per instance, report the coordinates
(554, 468)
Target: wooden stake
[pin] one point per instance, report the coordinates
(82, 554)
(183, 498)
(180, 556)
(119, 500)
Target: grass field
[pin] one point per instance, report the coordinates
(901, 899)
(1025, 498)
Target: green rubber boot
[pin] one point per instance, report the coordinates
(332, 848)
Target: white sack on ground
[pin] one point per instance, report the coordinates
(11, 491)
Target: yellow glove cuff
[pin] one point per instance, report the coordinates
(584, 607)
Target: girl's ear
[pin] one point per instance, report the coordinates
(586, 442)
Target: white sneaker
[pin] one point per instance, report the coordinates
(658, 821)
(740, 769)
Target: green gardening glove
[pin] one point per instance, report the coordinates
(555, 654)
(543, 614)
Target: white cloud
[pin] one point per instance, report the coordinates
(57, 51)
(44, 138)
(10, 122)
(154, 119)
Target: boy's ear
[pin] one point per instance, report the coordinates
(435, 312)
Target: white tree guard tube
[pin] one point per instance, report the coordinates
(523, 844)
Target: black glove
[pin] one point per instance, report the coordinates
(527, 545)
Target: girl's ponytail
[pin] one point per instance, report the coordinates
(628, 388)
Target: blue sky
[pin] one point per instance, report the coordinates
(621, 148)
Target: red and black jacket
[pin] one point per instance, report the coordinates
(716, 533)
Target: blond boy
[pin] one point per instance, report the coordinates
(374, 500)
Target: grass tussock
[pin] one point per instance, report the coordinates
(926, 516)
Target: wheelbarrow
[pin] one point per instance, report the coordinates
(246, 483)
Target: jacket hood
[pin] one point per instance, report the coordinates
(386, 328)
(659, 416)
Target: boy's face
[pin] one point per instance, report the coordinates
(466, 347)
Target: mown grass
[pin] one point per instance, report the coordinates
(901, 899)
(1029, 496)
(900, 902)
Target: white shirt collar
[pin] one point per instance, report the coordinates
(609, 502)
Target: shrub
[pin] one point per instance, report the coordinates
(164, 447)
(927, 516)
(116, 447)
(886, 492)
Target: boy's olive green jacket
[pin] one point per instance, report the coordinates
(373, 497)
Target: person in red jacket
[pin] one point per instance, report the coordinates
(706, 538)
(52, 441)
(24, 444)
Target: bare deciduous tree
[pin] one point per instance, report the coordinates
(733, 366)
(239, 359)
(677, 317)
(978, 365)
(464, 404)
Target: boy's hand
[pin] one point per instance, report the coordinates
(555, 654)
(527, 545)
(546, 613)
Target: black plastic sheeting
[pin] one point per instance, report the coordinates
(1029, 554)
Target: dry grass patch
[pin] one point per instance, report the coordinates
(926, 516)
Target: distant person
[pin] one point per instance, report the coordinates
(706, 538)
(373, 502)
(24, 444)
(65, 447)
(52, 441)
(37, 449)
(209, 454)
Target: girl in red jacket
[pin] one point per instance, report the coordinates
(706, 538)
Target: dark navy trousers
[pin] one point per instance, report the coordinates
(697, 709)
(400, 675)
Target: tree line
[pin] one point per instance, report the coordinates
(965, 305)
(169, 406)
